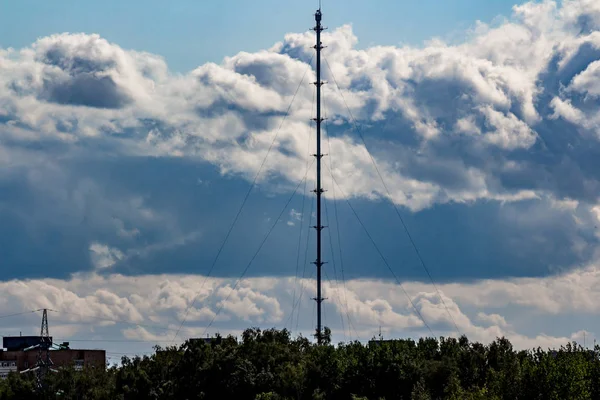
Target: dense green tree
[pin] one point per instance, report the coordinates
(271, 365)
(17, 386)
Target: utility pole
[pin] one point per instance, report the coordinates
(319, 263)
(43, 358)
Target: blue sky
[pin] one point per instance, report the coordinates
(190, 33)
(128, 144)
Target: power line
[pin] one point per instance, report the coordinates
(243, 202)
(329, 223)
(346, 311)
(113, 354)
(302, 215)
(120, 321)
(312, 207)
(333, 263)
(115, 340)
(20, 313)
(296, 302)
(256, 253)
(383, 257)
(312, 274)
(337, 222)
(414, 245)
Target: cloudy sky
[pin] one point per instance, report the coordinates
(124, 161)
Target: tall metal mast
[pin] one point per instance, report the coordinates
(319, 263)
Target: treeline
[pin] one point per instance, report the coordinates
(272, 365)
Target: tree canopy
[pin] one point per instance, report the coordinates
(271, 365)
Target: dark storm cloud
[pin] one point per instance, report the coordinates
(504, 124)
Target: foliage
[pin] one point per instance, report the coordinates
(271, 365)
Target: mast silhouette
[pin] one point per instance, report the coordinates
(43, 359)
(319, 263)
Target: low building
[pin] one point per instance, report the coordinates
(14, 343)
(207, 340)
(379, 342)
(7, 367)
(21, 352)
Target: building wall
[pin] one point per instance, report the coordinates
(6, 367)
(21, 360)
